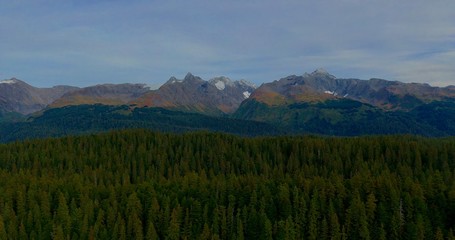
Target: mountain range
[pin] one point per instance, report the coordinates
(320, 86)
(218, 96)
(316, 102)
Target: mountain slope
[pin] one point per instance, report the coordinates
(109, 94)
(214, 97)
(17, 96)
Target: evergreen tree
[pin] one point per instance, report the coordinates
(174, 225)
(3, 234)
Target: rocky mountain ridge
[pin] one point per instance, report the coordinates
(216, 96)
(221, 95)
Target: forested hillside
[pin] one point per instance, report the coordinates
(345, 117)
(146, 185)
(86, 119)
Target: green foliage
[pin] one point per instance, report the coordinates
(137, 184)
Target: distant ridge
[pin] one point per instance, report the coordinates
(108, 94)
(320, 85)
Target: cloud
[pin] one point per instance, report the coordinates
(87, 42)
(435, 68)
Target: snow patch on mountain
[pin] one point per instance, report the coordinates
(176, 81)
(11, 81)
(247, 83)
(220, 85)
(246, 94)
(331, 93)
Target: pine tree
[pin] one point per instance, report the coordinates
(356, 219)
(151, 232)
(57, 233)
(63, 216)
(22, 232)
(3, 234)
(313, 218)
(174, 225)
(119, 231)
(240, 232)
(439, 235)
(268, 232)
(335, 232)
(134, 222)
(205, 235)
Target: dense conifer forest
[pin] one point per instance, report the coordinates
(137, 184)
(86, 119)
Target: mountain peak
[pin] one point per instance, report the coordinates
(191, 79)
(321, 72)
(189, 76)
(247, 83)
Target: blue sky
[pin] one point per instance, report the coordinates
(82, 42)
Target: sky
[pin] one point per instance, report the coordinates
(88, 42)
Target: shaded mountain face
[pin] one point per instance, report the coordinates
(217, 96)
(108, 94)
(17, 96)
(320, 86)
